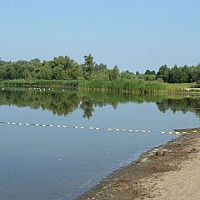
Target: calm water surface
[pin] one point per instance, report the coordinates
(61, 163)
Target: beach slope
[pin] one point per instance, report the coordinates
(168, 172)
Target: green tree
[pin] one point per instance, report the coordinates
(45, 73)
(114, 73)
(127, 75)
(88, 67)
(74, 72)
(163, 73)
(149, 72)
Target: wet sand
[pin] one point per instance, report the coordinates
(169, 172)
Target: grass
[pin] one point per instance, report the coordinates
(179, 87)
(122, 85)
(119, 85)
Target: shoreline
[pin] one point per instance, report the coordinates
(79, 85)
(139, 179)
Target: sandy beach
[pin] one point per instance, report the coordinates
(168, 172)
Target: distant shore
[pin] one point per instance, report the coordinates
(118, 86)
(156, 173)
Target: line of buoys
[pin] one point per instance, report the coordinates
(176, 132)
(40, 89)
(44, 89)
(94, 128)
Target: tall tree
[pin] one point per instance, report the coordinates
(163, 73)
(88, 67)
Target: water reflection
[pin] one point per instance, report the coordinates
(62, 102)
(56, 163)
(184, 104)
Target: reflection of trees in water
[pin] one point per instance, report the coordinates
(87, 106)
(58, 103)
(187, 104)
(64, 103)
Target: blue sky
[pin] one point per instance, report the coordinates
(134, 34)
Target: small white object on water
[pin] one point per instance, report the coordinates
(59, 158)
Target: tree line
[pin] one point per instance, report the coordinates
(65, 68)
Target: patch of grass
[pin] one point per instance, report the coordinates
(118, 85)
(179, 87)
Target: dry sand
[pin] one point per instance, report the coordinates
(183, 183)
(170, 172)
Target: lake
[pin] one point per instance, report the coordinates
(56, 144)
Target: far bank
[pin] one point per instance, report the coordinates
(119, 85)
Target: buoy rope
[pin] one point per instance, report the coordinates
(94, 128)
